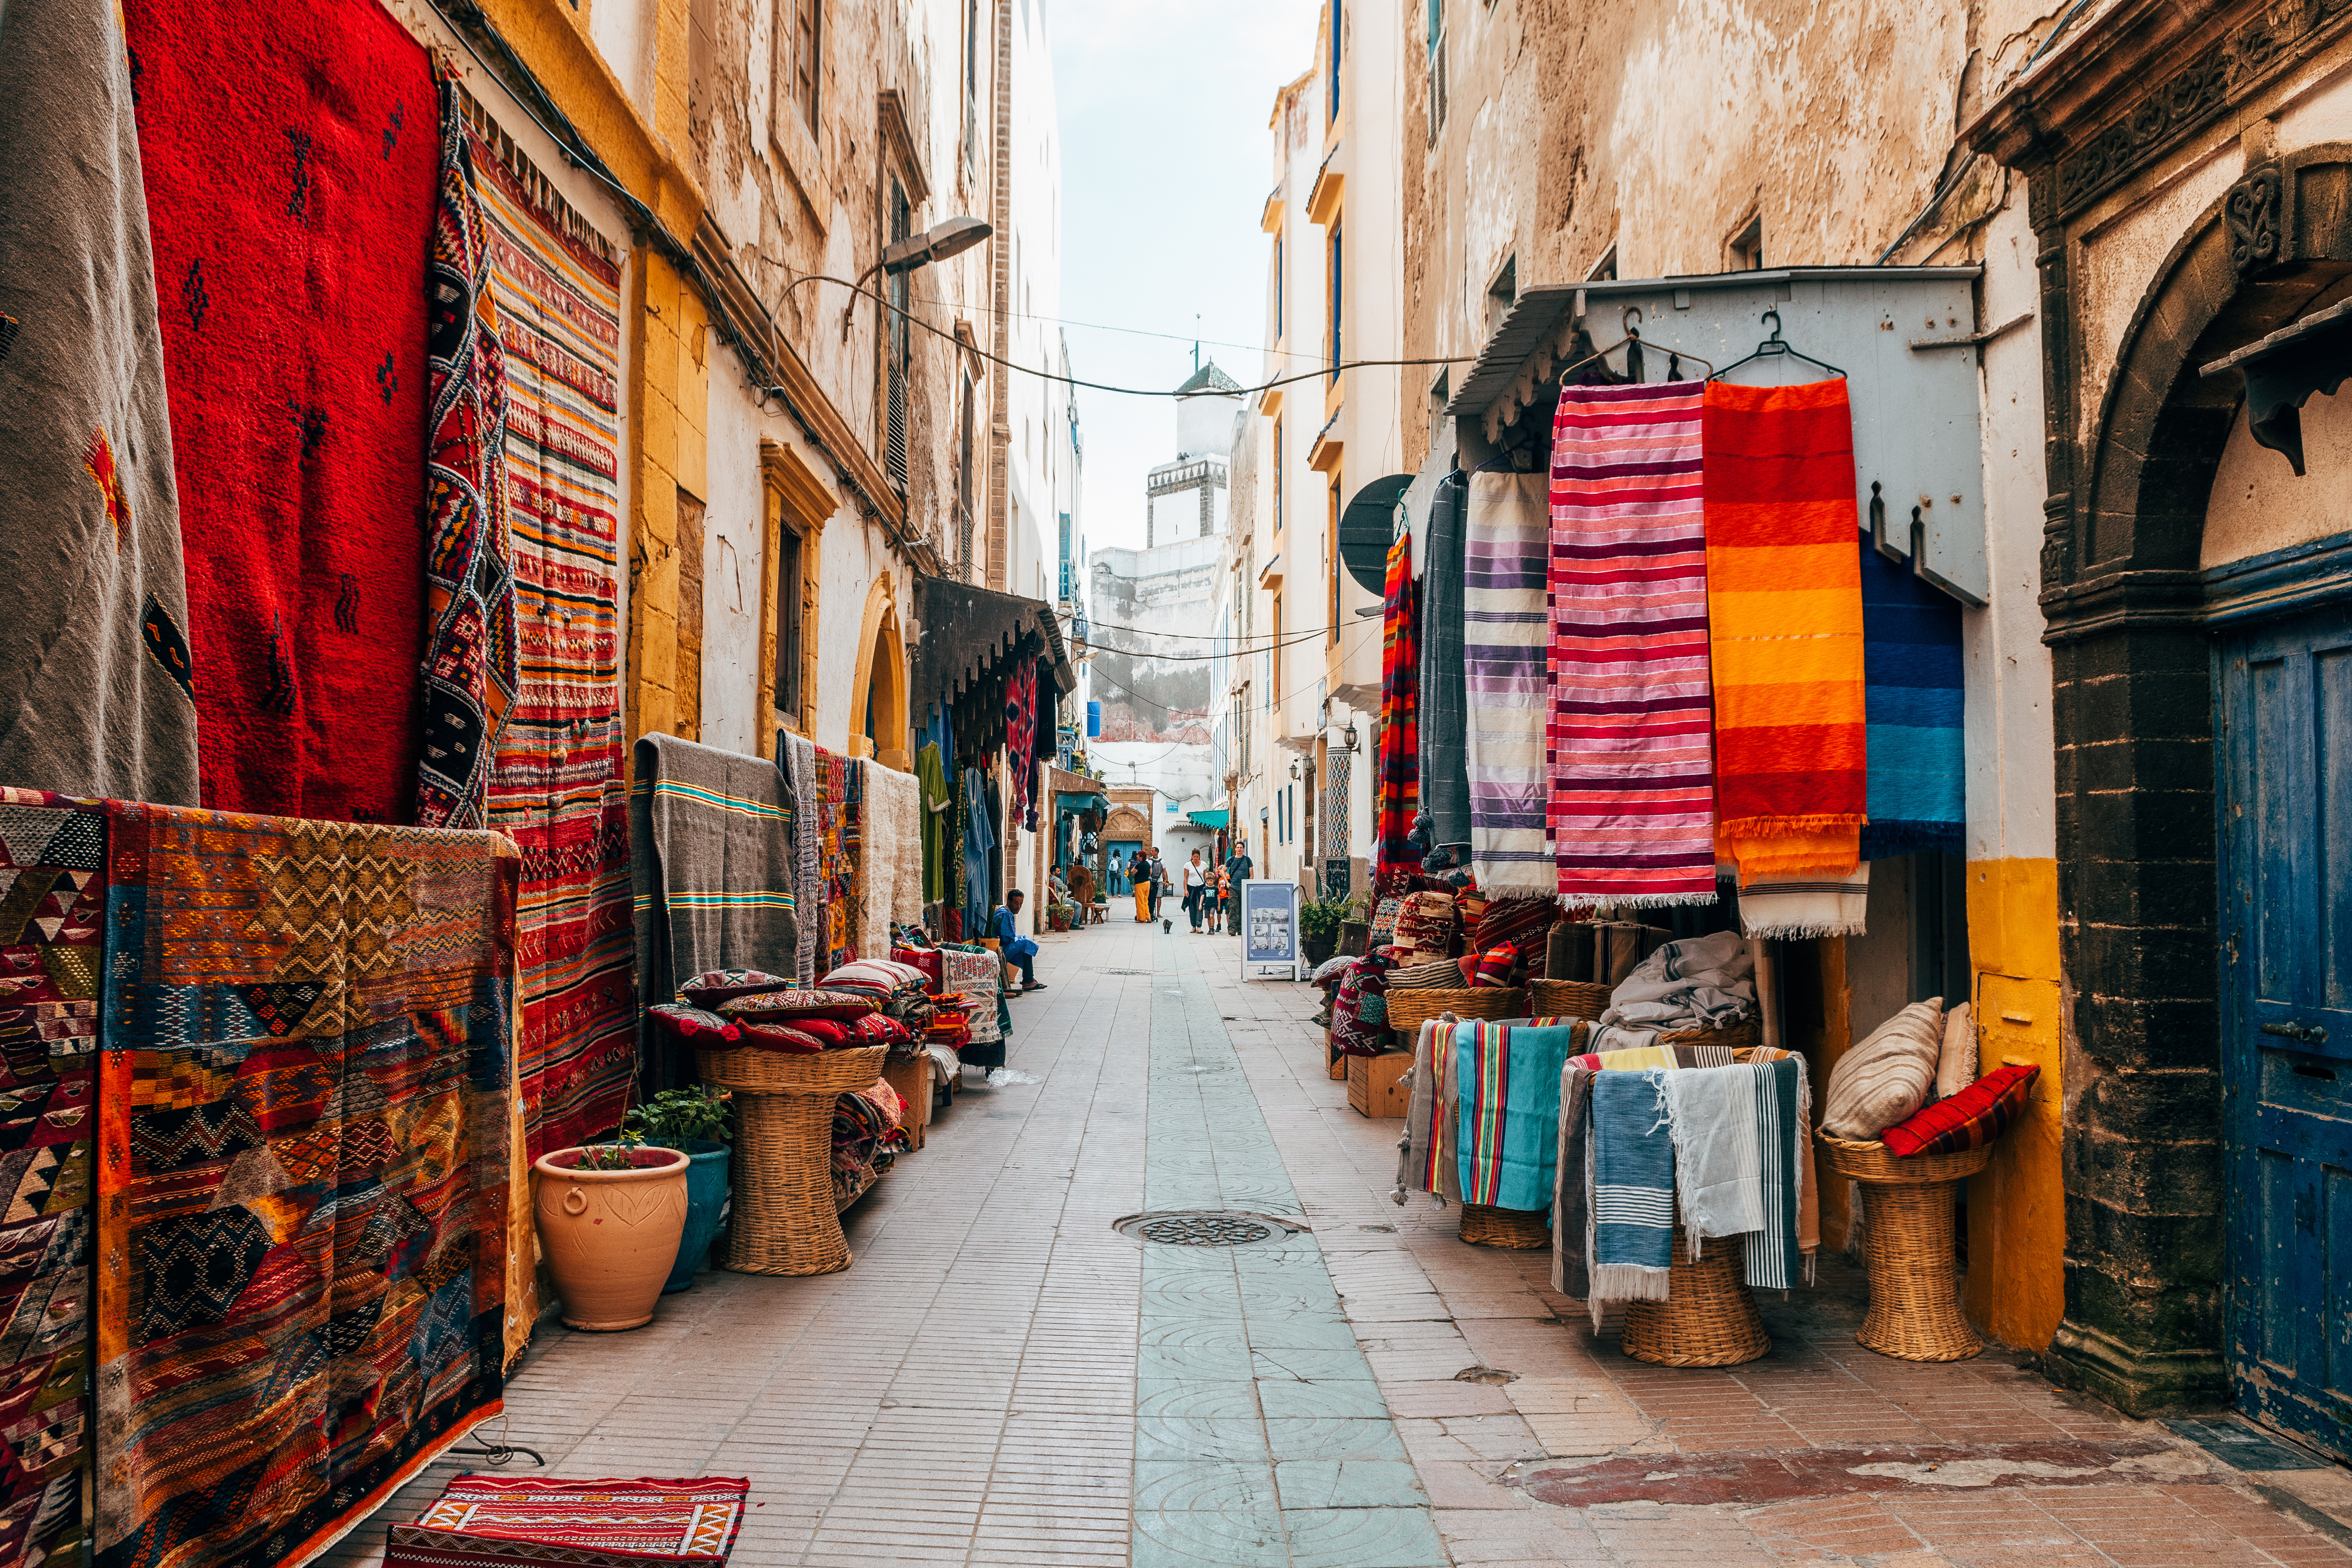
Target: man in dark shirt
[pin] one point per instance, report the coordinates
(1016, 950)
(1237, 870)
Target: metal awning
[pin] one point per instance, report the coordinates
(2284, 370)
(967, 631)
(1892, 329)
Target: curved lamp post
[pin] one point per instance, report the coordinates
(937, 242)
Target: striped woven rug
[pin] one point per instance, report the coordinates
(1633, 815)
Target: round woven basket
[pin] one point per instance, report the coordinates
(1410, 1008)
(1739, 1037)
(1709, 1318)
(1568, 998)
(1906, 1232)
(783, 1220)
(1522, 1230)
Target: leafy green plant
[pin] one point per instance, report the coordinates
(618, 1155)
(677, 1116)
(1322, 920)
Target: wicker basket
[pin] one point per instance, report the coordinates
(1906, 1230)
(1568, 998)
(1709, 1318)
(1521, 1230)
(1410, 1008)
(784, 1216)
(1739, 1037)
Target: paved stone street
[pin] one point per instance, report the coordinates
(1003, 1378)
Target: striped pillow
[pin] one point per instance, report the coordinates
(1888, 1076)
(1956, 1068)
(1970, 1120)
(1438, 974)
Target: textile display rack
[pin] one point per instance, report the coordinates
(784, 1220)
(1914, 1307)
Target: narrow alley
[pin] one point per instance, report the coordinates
(1005, 1378)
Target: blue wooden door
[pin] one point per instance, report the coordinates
(2286, 991)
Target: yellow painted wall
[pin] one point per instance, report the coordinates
(670, 414)
(2015, 1288)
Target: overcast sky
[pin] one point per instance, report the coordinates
(1165, 169)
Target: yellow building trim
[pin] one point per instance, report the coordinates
(2016, 1288)
(881, 673)
(797, 500)
(1323, 201)
(1270, 220)
(1270, 403)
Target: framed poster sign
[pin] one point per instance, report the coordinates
(1269, 930)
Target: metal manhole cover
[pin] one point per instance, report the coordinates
(1208, 1227)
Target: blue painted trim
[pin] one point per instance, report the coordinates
(2279, 581)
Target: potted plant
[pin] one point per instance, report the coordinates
(1356, 927)
(1318, 926)
(694, 1119)
(609, 1219)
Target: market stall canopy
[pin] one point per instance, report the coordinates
(1219, 819)
(1899, 332)
(1367, 527)
(2284, 370)
(968, 631)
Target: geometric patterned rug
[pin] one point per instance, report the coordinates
(583, 1524)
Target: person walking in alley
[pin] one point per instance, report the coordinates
(1015, 949)
(1196, 890)
(1138, 876)
(1159, 889)
(1237, 871)
(1222, 895)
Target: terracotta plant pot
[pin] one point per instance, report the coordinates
(611, 1236)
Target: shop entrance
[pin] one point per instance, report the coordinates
(2286, 1014)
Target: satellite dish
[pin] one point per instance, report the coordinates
(1366, 529)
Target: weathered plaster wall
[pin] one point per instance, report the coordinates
(734, 565)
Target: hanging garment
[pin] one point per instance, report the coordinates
(52, 942)
(1398, 780)
(1442, 713)
(1507, 1088)
(556, 787)
(1505, 634)
(712, 872)
(331, 1013)
(1796, 908)
(470, 667)
(1737, 1132)
(797, 762)
(938, 809)
(978, 838)
(833, 858)
(94, 667)
(1784, 618)
(1633, 808)
(1433, 1116)
(1630, 1203)
(290, 197)
(1913, 695)
(1020, 738)
(892, 811)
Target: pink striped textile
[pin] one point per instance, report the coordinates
(1630, 739)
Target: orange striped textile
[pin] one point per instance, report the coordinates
(1784, 622)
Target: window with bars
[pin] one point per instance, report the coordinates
(791, 584)
(1436, 68)
(896, 341)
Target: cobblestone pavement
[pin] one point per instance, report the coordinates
(1003, 1377)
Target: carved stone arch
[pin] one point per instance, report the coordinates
(1125, 821)
(2134, 720)
(879, 689)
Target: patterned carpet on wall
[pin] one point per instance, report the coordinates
(557, 788)
(642, 1523)
(290, 161)
(303, 1188)
(52, 929)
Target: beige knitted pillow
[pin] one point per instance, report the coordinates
(1956, 1067)
(1886, 1077)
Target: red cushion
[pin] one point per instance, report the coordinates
(876, 1029)
(785, 1037)
(798, 1004)
(1970, 1120)
(693, 1025)
(714, 987)
(830, 1031)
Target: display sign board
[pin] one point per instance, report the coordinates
(1269, 930)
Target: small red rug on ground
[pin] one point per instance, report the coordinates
(491, 1519)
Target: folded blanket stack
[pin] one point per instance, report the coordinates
(1700, 982)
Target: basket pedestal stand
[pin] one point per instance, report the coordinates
(1915, 1303)
(783, 1220)
(1709, 1316)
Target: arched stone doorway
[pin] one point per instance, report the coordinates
(2132, 620)
(878, 714)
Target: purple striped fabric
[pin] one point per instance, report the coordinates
(1504, 632)
(1630, 726)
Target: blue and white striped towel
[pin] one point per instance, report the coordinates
(1632, 1159)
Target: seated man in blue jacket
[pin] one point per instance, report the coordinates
(1018, 950)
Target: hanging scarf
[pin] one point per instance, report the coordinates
(1911, 670)
(1400, 764)
(1442, 712)
(1021, 738)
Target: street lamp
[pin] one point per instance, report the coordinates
(1352, 736)
(937, 242)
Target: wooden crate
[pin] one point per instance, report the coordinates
(1373, 1086)
(912, 1080)
(1331, 1054)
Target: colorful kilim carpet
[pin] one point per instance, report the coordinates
(1397, 759)
(304, 1115)
(52, 926)
(290, 161)
(557, 788)
(486, 1519)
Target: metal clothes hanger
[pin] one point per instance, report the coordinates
(1629, 319)
(1772, 346)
